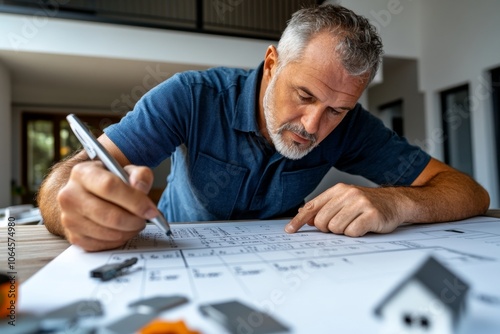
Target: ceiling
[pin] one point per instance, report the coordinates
(53, 79)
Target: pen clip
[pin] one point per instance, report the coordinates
(94, 148)
(82, 133)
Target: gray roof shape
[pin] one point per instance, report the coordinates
(441, 282)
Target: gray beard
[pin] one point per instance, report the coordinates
(293, 150)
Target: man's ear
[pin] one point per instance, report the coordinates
(270, 62)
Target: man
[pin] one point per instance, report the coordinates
(254, 144)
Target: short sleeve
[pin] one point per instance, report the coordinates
(158, 123)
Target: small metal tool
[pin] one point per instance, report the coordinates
(109, 271)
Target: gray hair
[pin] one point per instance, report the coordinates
(359, 46)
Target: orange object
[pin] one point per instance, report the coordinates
(166, 327)
(8, 296)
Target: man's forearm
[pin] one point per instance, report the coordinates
(439, 194)
(47, 195)
(448, 196)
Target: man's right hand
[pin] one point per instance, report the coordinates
(99, 211)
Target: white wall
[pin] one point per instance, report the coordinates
(398, 22)
(58, 36)
(401, 82)
(5, 136)
(455, 51)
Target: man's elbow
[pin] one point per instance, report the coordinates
(483, 200)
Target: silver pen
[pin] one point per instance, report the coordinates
(95, 149)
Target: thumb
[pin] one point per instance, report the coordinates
(140, 177)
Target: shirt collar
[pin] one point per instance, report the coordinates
(245, 118)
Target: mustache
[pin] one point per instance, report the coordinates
(299, 130)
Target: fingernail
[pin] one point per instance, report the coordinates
(151, 213)
(289, 229)
(142, 186)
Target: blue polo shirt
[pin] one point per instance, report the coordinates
(223, 168)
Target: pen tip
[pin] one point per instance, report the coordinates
(170, 234)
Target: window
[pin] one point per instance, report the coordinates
(455, 111)
(47, 138)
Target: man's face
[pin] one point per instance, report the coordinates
(306, 100)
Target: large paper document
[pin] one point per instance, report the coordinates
(313, 282)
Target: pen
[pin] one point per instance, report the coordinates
(95, 149)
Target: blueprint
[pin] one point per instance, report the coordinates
(313, 282)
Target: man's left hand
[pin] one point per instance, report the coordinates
(351, 210)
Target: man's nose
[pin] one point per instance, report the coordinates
(311, 119)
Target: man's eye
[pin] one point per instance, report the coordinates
(334, 112)
(304, 97)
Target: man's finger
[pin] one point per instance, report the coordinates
(306, 214)
(140, 177)
(110, 188)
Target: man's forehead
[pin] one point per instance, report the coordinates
(322, 46)
(323, 80)
(320, 55)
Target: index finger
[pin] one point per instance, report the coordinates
(306, 213)
(111, 188)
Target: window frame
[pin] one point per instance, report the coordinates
(445, 121)
(29, 195)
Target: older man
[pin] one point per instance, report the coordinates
(254, 144)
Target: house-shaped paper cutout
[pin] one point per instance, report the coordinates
(431, 300)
